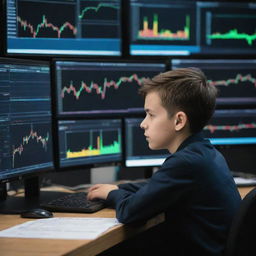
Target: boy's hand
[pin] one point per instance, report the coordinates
(100, 191)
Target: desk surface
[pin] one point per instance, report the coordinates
(56, 247)
(50, 247)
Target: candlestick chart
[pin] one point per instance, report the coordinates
(30, 143)
(234, 79)
(74, 27)
(52, 20)
(235, 86)
(26, 117)
(101, 89)
(232, 126)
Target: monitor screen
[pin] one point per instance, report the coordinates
(227, 27)
(89, 142)
(85, 87)
(162, 27)
(234, 79)
(74, 27)
(137, 152)
(232, 127)
(25, 114)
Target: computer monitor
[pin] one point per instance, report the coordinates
(232, 127)
(162, 27)
(26, 136)
(227, 27)
(74, 27)
(137, 152)
(101, 87)
(89, 143)
(26, 120)
(234, 78)
(233, 132)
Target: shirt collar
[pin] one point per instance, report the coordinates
(192, 138)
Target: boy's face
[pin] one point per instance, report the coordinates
(158, 126)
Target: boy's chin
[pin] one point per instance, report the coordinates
(154, 147)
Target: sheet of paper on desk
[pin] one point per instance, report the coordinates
(61, 228)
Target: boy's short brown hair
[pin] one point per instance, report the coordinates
(187, 90)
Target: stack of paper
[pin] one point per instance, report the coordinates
(61, 228)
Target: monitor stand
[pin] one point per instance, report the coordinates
(31, 199)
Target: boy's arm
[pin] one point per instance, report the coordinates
(162, 191)
(132, 187)
(102, 190)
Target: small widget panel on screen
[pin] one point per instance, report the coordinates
(227, 27)
(137, 152)
(234, 79)
(232, 127)
(74, 27)
(162, 27)
(89, 142)
(101, 87)
(25, 114)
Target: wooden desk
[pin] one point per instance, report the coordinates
(56, 247)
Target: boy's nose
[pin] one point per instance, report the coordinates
(142, 124)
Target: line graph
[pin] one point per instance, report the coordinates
(100, 90)
(45, 24)
(239, 78)
(231, 128)
(230, 27)
(234, 34)
(102, 87)
(100, 19)
(46, 19)
(97, 8)
(25, 140)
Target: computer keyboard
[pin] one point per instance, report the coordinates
(74, 202)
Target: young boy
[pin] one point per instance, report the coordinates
(194, 186)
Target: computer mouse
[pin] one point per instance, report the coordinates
(36, 213)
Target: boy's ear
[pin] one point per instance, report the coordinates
(180, 120)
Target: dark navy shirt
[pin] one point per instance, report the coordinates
(195, 189)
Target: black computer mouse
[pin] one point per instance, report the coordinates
(36, 213)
